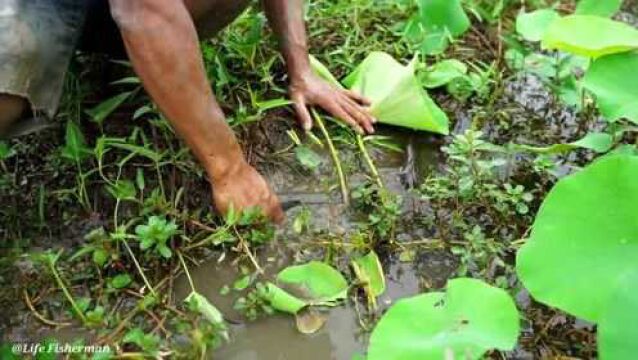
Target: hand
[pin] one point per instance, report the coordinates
(245, 188)
(346, 105)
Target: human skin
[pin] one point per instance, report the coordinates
(161, 39)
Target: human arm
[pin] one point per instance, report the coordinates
(162, 44)
(306, 89)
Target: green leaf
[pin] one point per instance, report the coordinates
(612, 79)
(396, 95)
(590, 36)
(242, 283)
(281, 300)
(123, 190)
(370, 272)
(604, 8)
(436, 23)
(307, 157)
(106, 108)
(532, 26)
(598, 142)
(200, 304)
(100, 257)
(470, 319)
(618, 326)
(75, 148)
(149, 343)
(585, 233)
(316, 282)
(442, 73)
(5, 150)
(322, 71)
(121, 281)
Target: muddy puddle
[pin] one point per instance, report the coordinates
(276, 337)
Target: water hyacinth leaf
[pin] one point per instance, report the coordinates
(612, 79)
(447, 325)
(280, 299)
(322, 71)
(442, 73)
(618, 326)
(200, 304)
(396, 95)
(586, 232)
(532, 26)
(310, 321)
(590, 36)
(435, 24)
(605, 8)
(598, 142)
(318, 282)
(370, 272)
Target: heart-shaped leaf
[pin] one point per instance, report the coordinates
(585, 233)
(605, 8)
(532, 26)
(470, 319)
(612, 79)
(316, 282)
(590, 36)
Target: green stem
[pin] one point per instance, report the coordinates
(335, 158)
(188, 274)
(369, 162)
(139, 269)
(66, 292)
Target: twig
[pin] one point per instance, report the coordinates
(44, 320)
(246, 249)
(188, 274)
(369, 162)
(66, 292)
(335, 158)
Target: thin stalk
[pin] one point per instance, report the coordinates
(335, 158)
(139, 269)
(188, 274)
(369, 161)
(66, 292)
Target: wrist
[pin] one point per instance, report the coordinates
(225, 166)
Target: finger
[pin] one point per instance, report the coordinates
(336, 109)
(363, 118)
(303, 115)
(358, 97)
(358, 105)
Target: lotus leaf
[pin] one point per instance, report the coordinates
(470, 319)
(612, 79)
(590, 36)
(585, 233)
(532, 26)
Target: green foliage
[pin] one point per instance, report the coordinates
(584, 234)
(198, 303)
(605, 8)
(471, 318)
(598, 142)
(280, 299)
(590, 36)
(307, 157)
(612, 79)
(155, 234)
(317, 282)
(618, 325)
(532, 26)
(369, 273)
(435, 24)
(442, 73)
(147, 342)
(397, 97)
(75, 148)
(99, 113)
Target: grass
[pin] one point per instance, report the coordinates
(138, 169)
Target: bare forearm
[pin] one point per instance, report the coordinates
(286, 20)
(162, 44)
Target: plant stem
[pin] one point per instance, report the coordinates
(139, 269)
(335, 158)
(369, 161)
(188, 274)
(66, 292)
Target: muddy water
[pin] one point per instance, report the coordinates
(276, 337)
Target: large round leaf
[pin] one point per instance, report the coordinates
(598, 7)
(612, 79)
(470, 319)
(315, 282)
(618, 327)
(584, 237)
(531, 26)
(590, 36)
